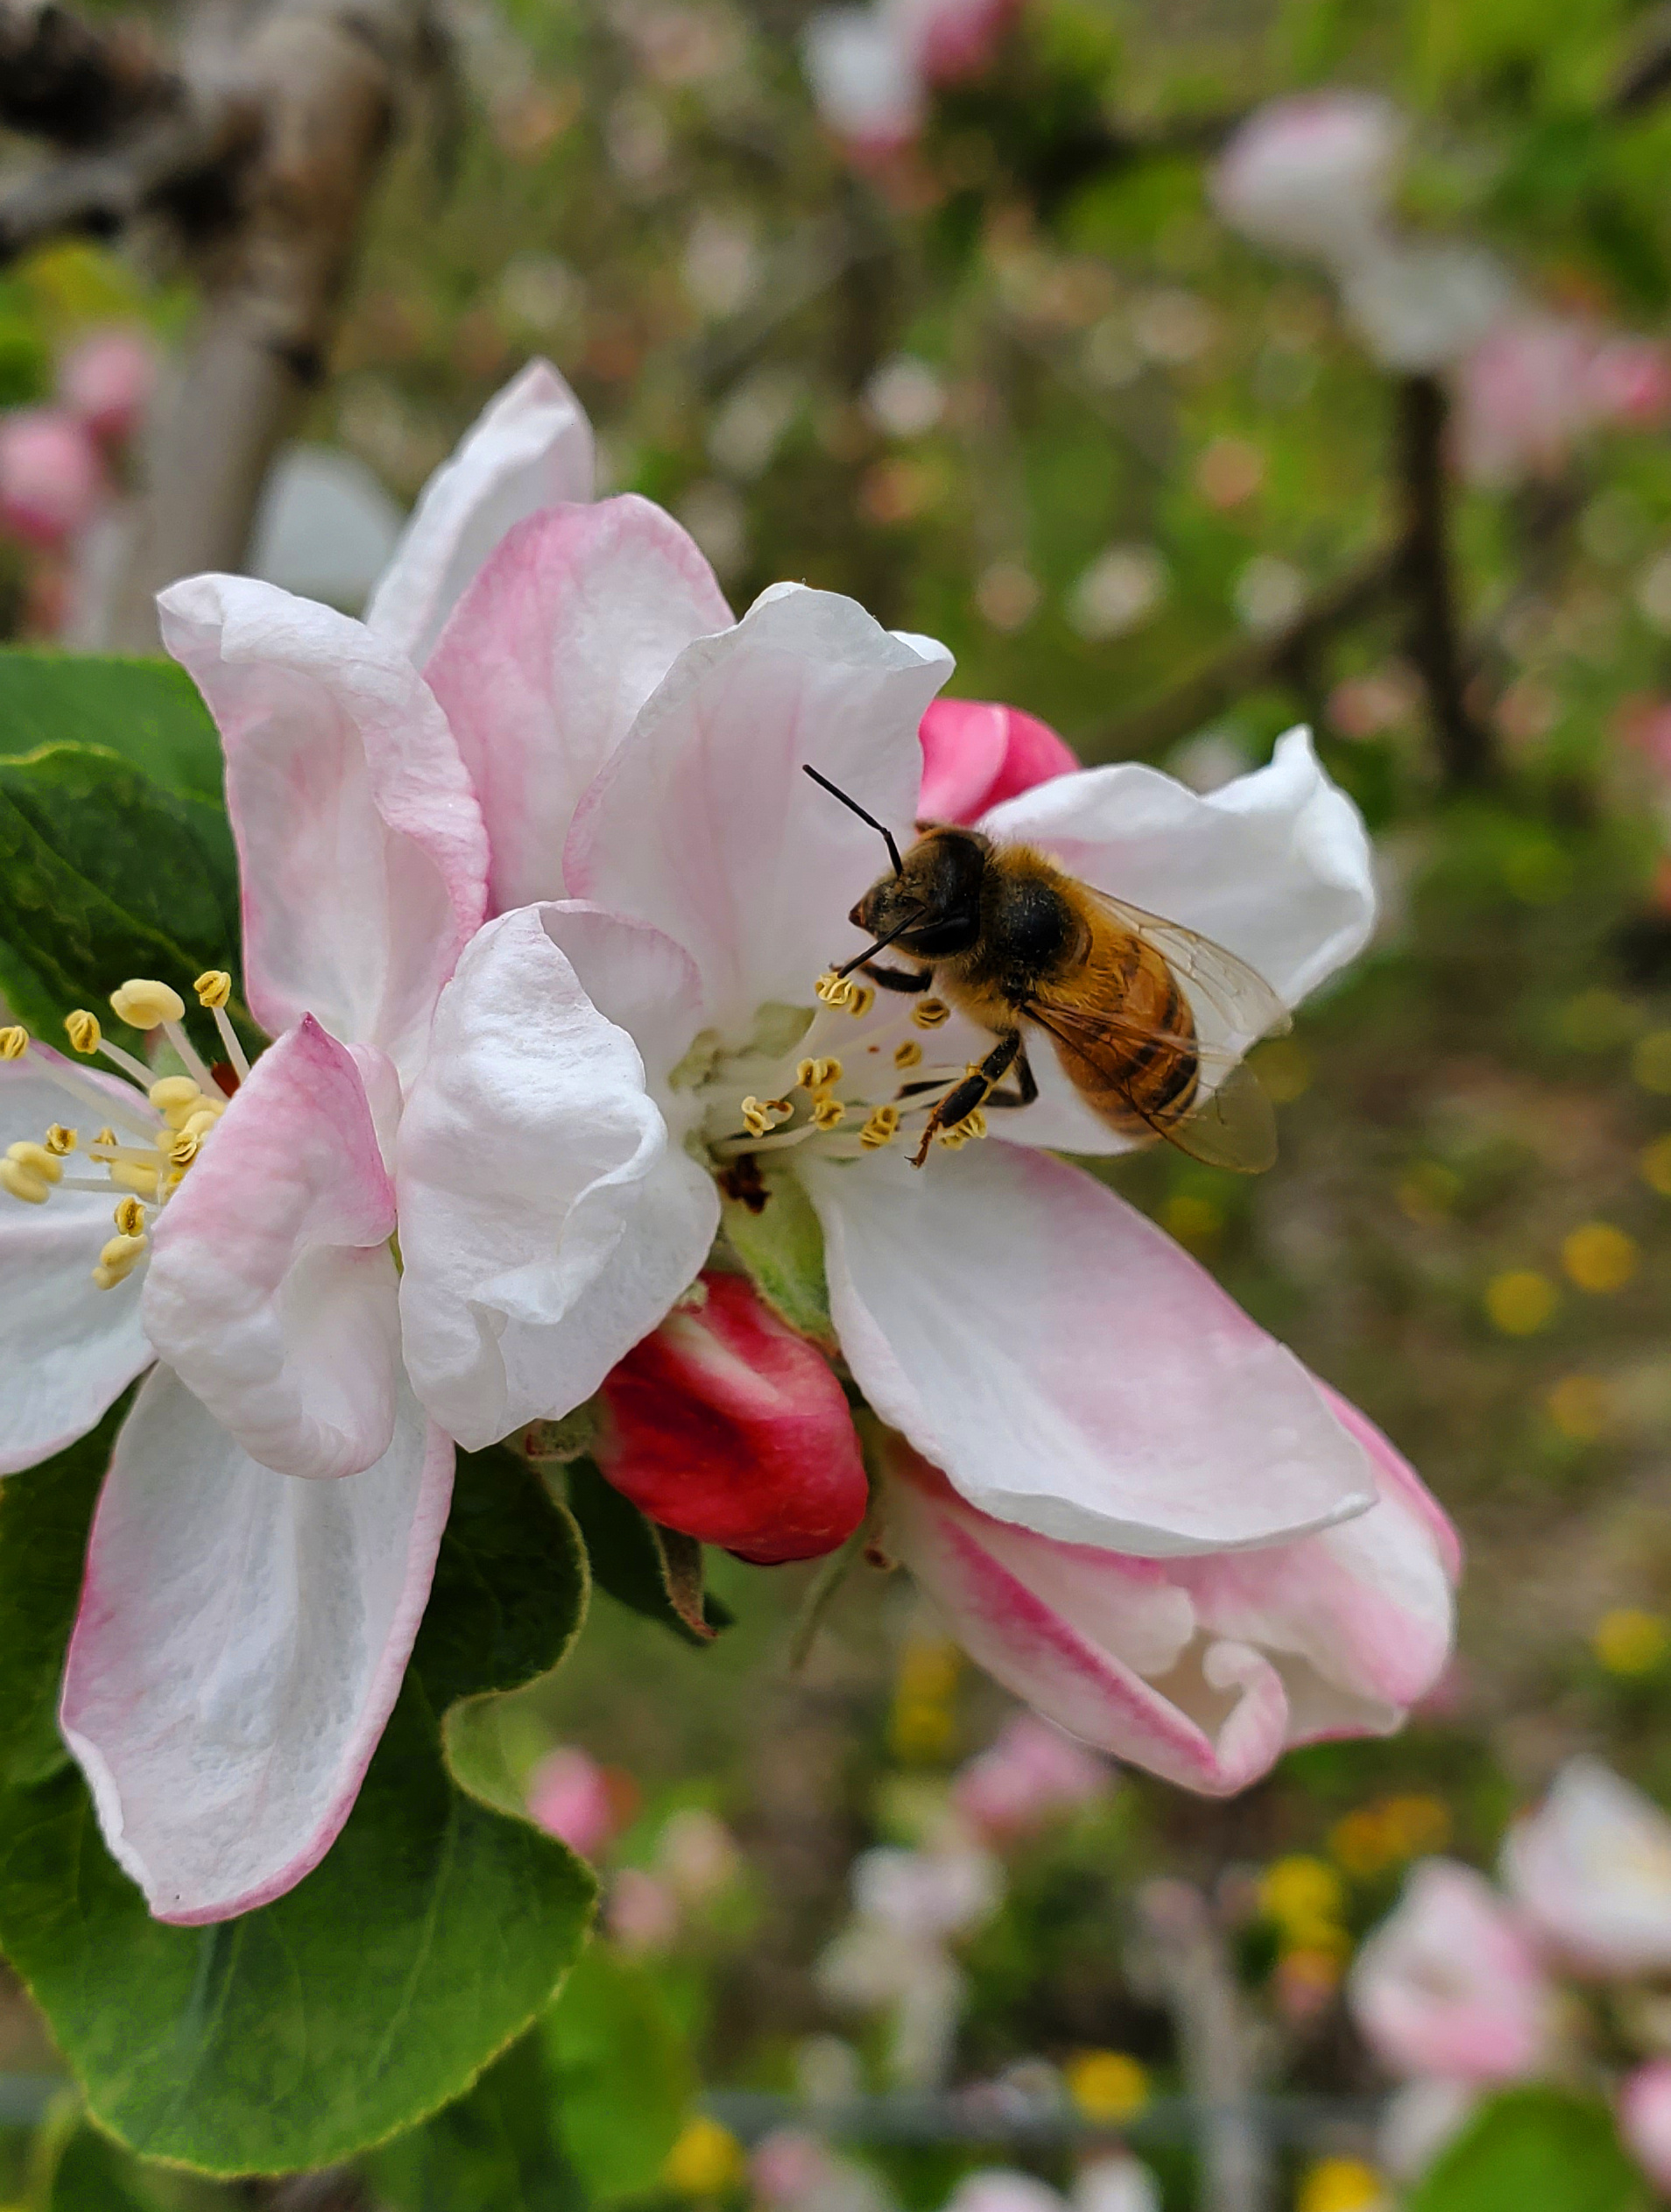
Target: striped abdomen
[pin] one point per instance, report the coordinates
(1129, 1045)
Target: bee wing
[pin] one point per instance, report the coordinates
(1231, 1123)
(1233, 1004)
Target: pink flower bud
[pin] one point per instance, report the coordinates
(106, 381)
(727, 1426)
(569, 1796)
(1645, 2120)
(1312, 175)
(1629, 381)
(976, 753)
(51, 482)
(956, 40)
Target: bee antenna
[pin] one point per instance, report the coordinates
(853, 807)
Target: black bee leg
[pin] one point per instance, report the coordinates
(1027, 1085)
(898, 978)
(974, 1090)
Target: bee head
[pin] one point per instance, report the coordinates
(931, 908)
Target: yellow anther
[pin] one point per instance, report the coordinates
(38, 1160)
(83, 1030)
(908, 1055)
(33, 1189)
(214, 987)
(144, 1003)
(761, 1114)
(200, 1121)
(862, 1000)
(106, 1136)
(172, 1092)
(835, 990)
(181, 1149)
(122, 1251)
(928, 1013)
(125, 1177)
(974, 1125)
(882, 1128)
(14, 1042)
(59, 1140)
(130, 1218)
(817, 1075)
(828, 1114)
(953, 1139)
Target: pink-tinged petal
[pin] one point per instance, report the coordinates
(363, 858)
(1275, 867)
(569, 1796)
(545, 1223)
(1068, 1366)
(726, 1425)
(241, 1642)
(976, 753)
(703, 824)
(1104, 1646)
(530, 448)
(71, 1348)
(270, 1289)
(1645, 2120)
(571, 624)
(1398, 1481)
(1450, 1985)
(1592, 1870)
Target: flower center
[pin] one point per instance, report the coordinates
(145, 1141)
(853, 1078)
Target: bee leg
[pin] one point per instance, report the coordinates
(1027, 1085)
(898, 978)
(975, 1089)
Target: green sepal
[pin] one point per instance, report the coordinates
(649, 1569)
(496, 2150)
(769, 1222)
(103, 875)
(1540, 2146)
(434, 1933)
(625, 2079)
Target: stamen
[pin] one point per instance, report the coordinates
(907, 1053)
(175, 1096)
(143, 1003)
(828, 1114)
(863, 999)
(130, 1219)
(928, 1013)
(14, 1042)
(84, 1033)
(836, 989)
(882, 1128)
(761, 1114)
(213, 988)
(181, 1149)
(33, 1189)
(818, 1075)
(118, 1259)
(36, 1159)
(59, 1140)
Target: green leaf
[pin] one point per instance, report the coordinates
(770, 1223)
(494, 2151)
(1535, 2146)
(147, 711)
(90, 2173)
(105, 875)
(434, 1933)
(640, 1565)
(625, 2075)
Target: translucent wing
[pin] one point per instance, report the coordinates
(1233, 1004)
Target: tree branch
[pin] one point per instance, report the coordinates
(1466, 752)
(75, 84)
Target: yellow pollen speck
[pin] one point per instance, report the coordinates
(174, 1091)
(33, 1189)
(61, 1139)
(835, 990)
(83, 1030)
(130, 1218)
(928, 1013)
(14, 1042)
(214, 987)
(144, 1003)
(817, 1075)
(862, 1000)
(881, 1127)
(908, 1055)
(36, 1159)
(828, 1114)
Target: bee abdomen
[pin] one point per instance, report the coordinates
(1151, 1084)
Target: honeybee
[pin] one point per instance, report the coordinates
(1149, 1020)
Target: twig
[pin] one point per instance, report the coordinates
(1466, 754)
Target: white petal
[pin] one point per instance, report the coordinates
(704, 824)
(545, 1224)
(241, 1642)
(530, 448)
(1068, 1366)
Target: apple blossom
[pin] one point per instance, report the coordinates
(1645, 2120)
(1591, 1872)
(1201, 1669)
(1451, 1987)
(105, 381)
(50, 477)
(1537, 383)
(1312, 175)
(976, 753)
(870, 68)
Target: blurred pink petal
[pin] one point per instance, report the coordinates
(52, 481)
(976, 753)
(641, 1912)
(1312, 175)
(107, 379)
(1030, 1775)
(1645, 2120)
(568, 1796)
(1592, 1870)
(1450, 1985)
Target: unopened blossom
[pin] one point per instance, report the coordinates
(105, 381)
(1645, 2120)
(1590, 1870)
(252, 1266)
(726, 1424)
(52, 480)
(1201, 1669)
(661, 990)
(1314, 174)
(569, 1796)
(1031, 1775)
(1451, 1987)
(976, 753)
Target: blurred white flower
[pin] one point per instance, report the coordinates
(1268, 593)
(718, 521)
(697, 1855)
(749, 425)
(542, 292)
(1312, 175)
(1592, 1870)
(1000, 2188)
(892, 1956)
(905, 398)
(1121, 590)
(1117, 2184)
(864, 81)
(326, 528)
(1173, 326)
(1007, 595)
(720, 270)
(1419, 307)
